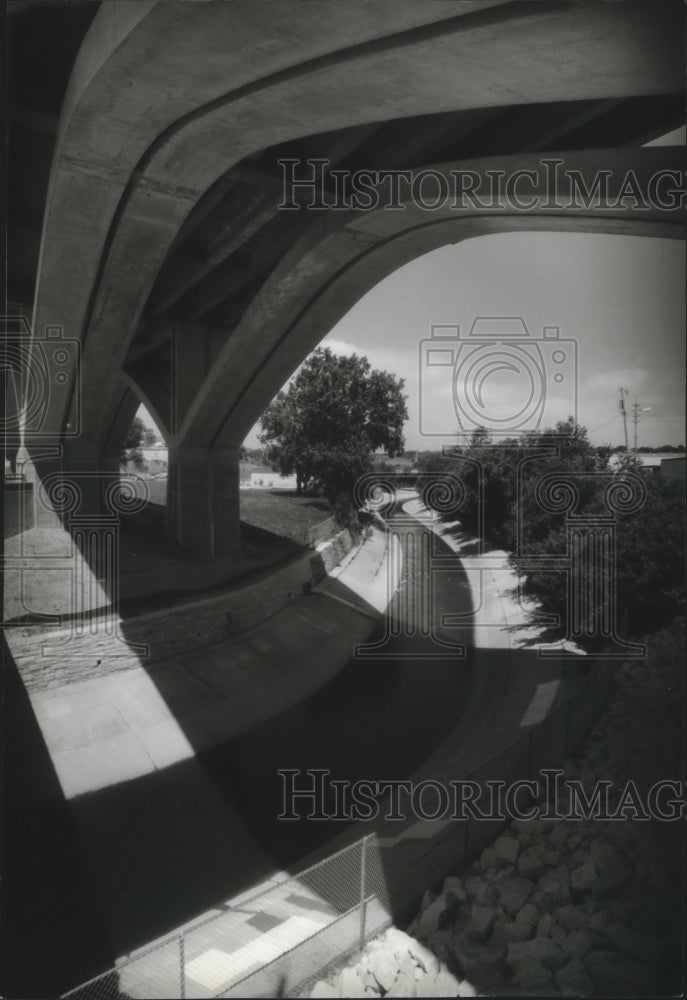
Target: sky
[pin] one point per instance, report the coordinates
(618, 303)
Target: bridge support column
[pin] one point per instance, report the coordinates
(203, 500)
(80, 478)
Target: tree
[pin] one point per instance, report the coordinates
(336, 412)
(131, 452)
(651, 557)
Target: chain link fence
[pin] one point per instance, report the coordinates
(284, 934)
(282, 938)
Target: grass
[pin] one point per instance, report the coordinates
(153, 571)
(282, 512)
(279, 511)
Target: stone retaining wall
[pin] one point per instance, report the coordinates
(51, 659)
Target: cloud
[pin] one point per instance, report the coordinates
(630, 378)
(342, 348)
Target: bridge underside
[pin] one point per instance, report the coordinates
(165, 254)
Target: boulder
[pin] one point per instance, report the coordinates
(403, 986)
(487, 979)
(582, 879)
(542, 950)
(436, 915)
(468, 955)
(599, 920)
(384, 967)
(398, 941)
(554, 885)
(528, 830)
(487, 860)
(506, 849)
(576, 944)
(570, 917)
(513, 896)
(323, 991)
(558, 933)
(530, 863)
(559, 834)
(453, 889)
(424, 957)
(532, 975)
(524, 925)
(545, 925)
(573, 981)
(441, 984)
(352, 985)
(407, 966)
(503, 875)
(466, 989)
(487, 895)
(411, 929)
(482, 920)
(549, 855)
(440, 946)
(427, 897)
(365, 974)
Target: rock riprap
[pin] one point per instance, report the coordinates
(553, 907)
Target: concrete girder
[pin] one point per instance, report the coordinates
(125, 412)
(155, 394)
(123, 182)
(336, 263)
(127, 89)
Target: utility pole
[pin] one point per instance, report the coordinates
(636, 410)
(623, 393)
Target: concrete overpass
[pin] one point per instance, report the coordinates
(164, 252)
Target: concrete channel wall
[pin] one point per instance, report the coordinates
(48, 659)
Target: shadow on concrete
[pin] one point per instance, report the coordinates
(111, 870)
(52, 925)
(106, 873)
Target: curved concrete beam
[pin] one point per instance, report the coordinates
(162, 113)
(121, 422)
(155, 400)
(331, 268)
(142, 68)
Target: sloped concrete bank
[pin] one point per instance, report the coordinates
(48, 659)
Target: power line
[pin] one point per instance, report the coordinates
(600, 426)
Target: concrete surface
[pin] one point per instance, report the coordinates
(116, 728)
(123, 183)
(512, 691)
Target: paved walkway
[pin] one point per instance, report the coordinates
(112, 729)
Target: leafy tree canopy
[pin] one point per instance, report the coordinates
(336, 412)
(502, 503)
(131, 452)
